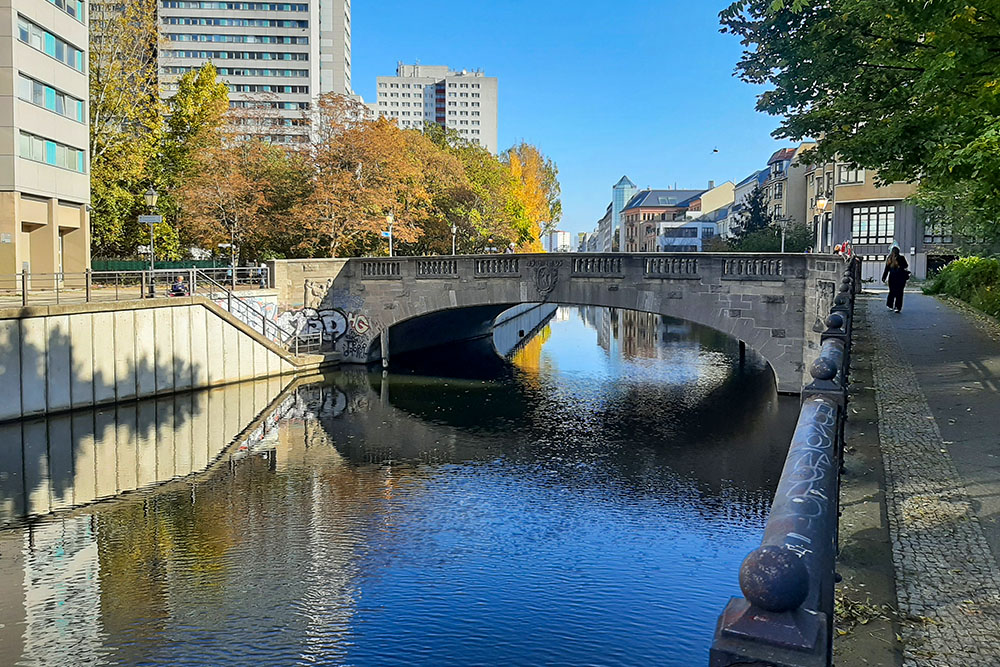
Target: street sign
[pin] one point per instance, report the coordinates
(151, 219)
(386, 234)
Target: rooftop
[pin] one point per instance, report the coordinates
(663, 198)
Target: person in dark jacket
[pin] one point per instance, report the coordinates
(897, 273)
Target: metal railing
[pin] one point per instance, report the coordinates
(785, 618)
(42, 289)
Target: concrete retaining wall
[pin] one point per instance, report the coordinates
(513, 326)
(56, 358)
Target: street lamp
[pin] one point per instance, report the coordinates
(390, 219)
(454, 230)
(150, 197)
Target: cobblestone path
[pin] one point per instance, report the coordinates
(947, 580)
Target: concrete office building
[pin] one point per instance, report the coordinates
(465, 101)
(277, 55)
(44, 166)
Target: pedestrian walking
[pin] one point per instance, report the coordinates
(896, 270)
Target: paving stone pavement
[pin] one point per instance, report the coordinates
(947, 579)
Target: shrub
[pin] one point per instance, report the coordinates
(971, 279)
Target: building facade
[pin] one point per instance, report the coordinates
(621, 193)
(464, 101)
(44, 161)
(646, 212)
(277, 55)
(557, 241)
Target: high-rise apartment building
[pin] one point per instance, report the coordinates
(44, 179)
(280, 55)
(459, 100)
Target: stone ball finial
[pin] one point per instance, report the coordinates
(823, 369)
(841, 299)
(774, 578)
(835, 321)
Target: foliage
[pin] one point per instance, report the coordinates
(975, 280)
(754, 217)
(911, 89)
(798, 238)
(125, 124)
(537, 188)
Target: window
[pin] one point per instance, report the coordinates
(779, 190)
(873, 224)
(937, 232)
(243, 23)
(847, 175)
(46, 42)
(245, 6)
(39, 149)
(74, 8)
(48, 97)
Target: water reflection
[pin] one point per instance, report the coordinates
(587, 503)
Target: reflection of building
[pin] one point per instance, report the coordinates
(44, 182)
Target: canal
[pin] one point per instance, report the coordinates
(586, 502)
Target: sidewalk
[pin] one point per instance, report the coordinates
(937, 379)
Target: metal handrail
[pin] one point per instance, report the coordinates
(289, 339)
(786, 615)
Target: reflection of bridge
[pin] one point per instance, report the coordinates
(773, 303)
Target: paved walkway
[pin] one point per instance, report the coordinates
(937, 372)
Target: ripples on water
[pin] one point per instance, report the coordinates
(589, 504)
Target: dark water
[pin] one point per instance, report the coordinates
(587, 504)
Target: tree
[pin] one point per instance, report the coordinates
(911, 89)
(125, 124)
(193, 124)
(754, 217)
(537, 188)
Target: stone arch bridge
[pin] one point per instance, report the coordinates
(370, 308)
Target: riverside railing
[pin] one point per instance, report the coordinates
(42, 289)
(785, 618)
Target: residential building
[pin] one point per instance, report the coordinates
(715, 198)
(846, 204)
(604, 233)
(557, 241)
(464, 101)
(621, 193)
(646, 210)
(44, 165)
(785, 184)
(279, 56)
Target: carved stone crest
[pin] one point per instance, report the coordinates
(546, 275)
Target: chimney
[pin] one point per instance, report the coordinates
(711, 185)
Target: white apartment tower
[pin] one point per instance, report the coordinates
(460, 100)
(280, 55)
(44, 165)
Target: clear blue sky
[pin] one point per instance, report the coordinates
(643, 88)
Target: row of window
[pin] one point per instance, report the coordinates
(873, 224)
(243, 6)
(847, 175)
(236, 23)
(51, 152)
(383, 84)
(238, 39)
(237, 71)
(236, 55)
(254, 104)
(46, 96)
(74, 8)
(266, 88)
(41, 39)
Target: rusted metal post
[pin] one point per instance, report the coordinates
(24, 288)
(88, 277)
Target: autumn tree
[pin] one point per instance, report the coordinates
(125, 124)
(910, 89)
(537, 188)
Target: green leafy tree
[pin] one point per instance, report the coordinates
(911, 89)
(754, 217)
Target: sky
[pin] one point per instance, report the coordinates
(640, 88)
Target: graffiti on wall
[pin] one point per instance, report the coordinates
(337, 316)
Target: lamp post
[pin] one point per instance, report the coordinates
(454, 230)
(821, 203)
(150, 198)
(390, 219)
